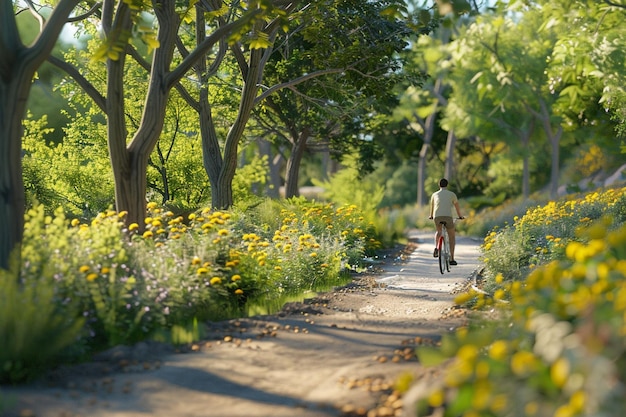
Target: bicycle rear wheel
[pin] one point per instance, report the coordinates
(441, 255)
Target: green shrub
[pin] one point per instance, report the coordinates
(541, 234)
(36, 325)
(557, 348)
(102, 283)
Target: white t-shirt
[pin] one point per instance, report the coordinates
(442, 203)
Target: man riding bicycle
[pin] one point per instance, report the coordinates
(441, 204)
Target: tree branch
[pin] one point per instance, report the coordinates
(91, 91)
(36, 14)
(611, 3)
(297, 81)
(179, 87)
(51, 30)
(189, 61)
(85, 15)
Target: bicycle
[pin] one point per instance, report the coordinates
(443, 249)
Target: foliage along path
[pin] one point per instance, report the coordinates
(343, 353)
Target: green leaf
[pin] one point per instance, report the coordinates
(425, 111)
(430, 356)
(260, 40)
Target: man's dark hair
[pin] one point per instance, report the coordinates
(443, 182)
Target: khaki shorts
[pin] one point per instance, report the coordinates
(448, 219)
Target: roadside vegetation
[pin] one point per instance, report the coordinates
(87, 286)
(549, 331)
(516, 103)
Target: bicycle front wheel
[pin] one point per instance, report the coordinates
(446, 250)
(442, 256)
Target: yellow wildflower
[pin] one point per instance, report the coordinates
(498, 350)
(523, 363)
(559, 372)
(436, 398)
(531, 408)
(216, 280)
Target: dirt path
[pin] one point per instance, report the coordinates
(337, 355)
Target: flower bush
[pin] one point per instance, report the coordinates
(542, 233)
(105, 283)
(555, 342)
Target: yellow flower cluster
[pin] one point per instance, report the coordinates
(565, 323)
(305, 246)
(555, 211)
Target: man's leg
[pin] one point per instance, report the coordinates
(438, 227)
(452, 237)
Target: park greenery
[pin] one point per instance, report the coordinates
(84, 287)
(548, 336)
(141, 163)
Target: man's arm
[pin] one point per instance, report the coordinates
(458, 209)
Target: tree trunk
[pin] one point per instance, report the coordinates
(429, 127)
(265, 149)
(429, 132)
(293, 164)
(222, 196)
(554, 137)
(13, 96)
(130, 163)
(450, 164)
(555, 140)
(421, 175)
(17, 68)
(211, 153)
(525, 137)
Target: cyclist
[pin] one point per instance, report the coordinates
(441, 204)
